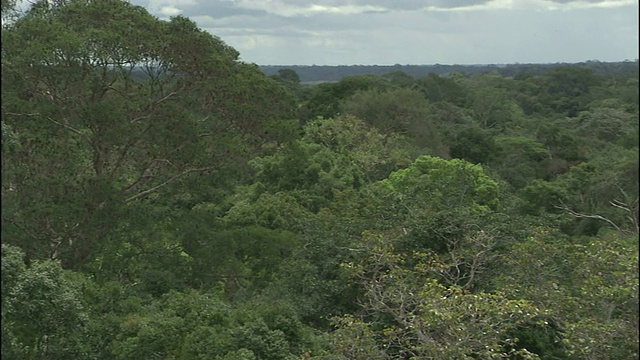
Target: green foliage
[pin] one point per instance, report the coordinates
(542, 196)
(542, 336)
(491, 104)
(42, 312)
(465, 137)
(473, 144)
(162, 199)
(262, 341)
(326, 100)
(333, 155)
(237, 257)
(602, 192)
(13, 266)
(399, 78)
(7, 5)
(376, 153)
(568, 89)
(440, 88)
(606, 124)
(400, 111)
(291, 81)
(412, 315)
(446, 184)
(561, 139)
(119, 111)
(354, 339)
(172, 327)
(520, 160)
(192, 325)
(588, 286)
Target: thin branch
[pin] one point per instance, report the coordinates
(166, 97)
(586, 216)
(144, 173)
(140, 118)
(136, 140)
(68, 127)
(23, 114)
(122, 156)
(155, 188)
(631, 209)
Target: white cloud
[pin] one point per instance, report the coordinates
(166, 8)
(288, 9)
(160, 3)
(342, 10)
(170, 11)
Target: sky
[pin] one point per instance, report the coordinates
(416, 32)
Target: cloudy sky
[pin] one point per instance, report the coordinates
(368, 32)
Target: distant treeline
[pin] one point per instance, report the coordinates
(325, 73)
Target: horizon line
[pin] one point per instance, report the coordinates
(459, 64)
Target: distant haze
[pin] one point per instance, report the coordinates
(334, 32)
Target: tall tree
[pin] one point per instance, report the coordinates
(111, 107)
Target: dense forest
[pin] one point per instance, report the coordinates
(324, 73)
(162, 199)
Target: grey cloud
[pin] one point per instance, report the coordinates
(304, 9)
(368, 31)
(221, 9)
(213, 8)
(394, 5)
(573, 1)
(328, 23)
(362, 6)
(442, 4)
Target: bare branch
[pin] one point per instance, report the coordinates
(586, 216)
(144, 173)
(140, 118)
(122, 156)
(23, 114)
(68, 127)
(166, 97)
(155, 188)
(631, 209)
